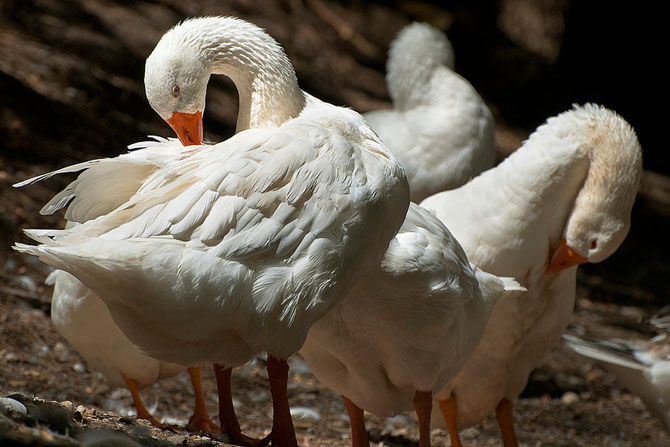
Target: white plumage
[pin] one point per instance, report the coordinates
(84, 321)
(641, 366)
(79, 315)
(440, 128)
(575, 178)
(410, 324)
(237, 248)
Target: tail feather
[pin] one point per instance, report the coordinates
(607, 352)
(74, 168)
(495, 287)
(511, 285)
(45, 237)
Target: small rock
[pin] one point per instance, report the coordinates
(42, 350)
(298, 366)
(26, 283)
(569, 398)
(61, 352)
(119, 394)
(11, 407)
(394, 423)
(79, 367)
(67, 405)
(258, 396)
(304, 417)
(10, 357)
(10, 265)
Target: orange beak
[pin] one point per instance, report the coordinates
(564, 257)
(188, 127)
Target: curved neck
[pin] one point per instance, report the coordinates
(262, 73)
(409, 85)
(538, 183)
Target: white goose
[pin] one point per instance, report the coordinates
(563, 198)
(406, 328)
(81, 317)
(84, 321)
(641, 366)
(237, 248)
(440, 128)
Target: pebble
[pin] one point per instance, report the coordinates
(569, 398)
(257, 396)
(11, 407)
(298, 366)
(42, 350)
(119, 393)
(26, 283)
(79, 367)
(10, 357)
(61, 352)
(394, 423)
(67, 405)
(305, 413)
(10, 265)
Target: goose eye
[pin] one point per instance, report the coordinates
(593, 244)
(175, 91)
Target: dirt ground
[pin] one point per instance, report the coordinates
(569, 401)
(71, 84)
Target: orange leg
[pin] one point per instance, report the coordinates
(142, 412)
(200, 419)
(423, 404)
(505, 416)
(227, 417)
(449, 413)
(283, 433)
(359, 436)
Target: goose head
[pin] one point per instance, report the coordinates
(600, 217)
(179, 68)
(416, 52)
(175, 80)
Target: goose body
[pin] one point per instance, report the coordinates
(642, 366)
(83, 320)
(563, 198)
(409, 325)
(439, 128)
(237, 248)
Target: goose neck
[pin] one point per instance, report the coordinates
(268, 89)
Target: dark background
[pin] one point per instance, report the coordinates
(71, 83)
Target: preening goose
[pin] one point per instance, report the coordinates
(439, 128)
(79, 315)
(406, 328)
(237, 248)
(563, 198)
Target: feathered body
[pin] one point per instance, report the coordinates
(575, 178)
(227, 250)
(410, 324)
(641, 366)
(83, 320)
(440, 128)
